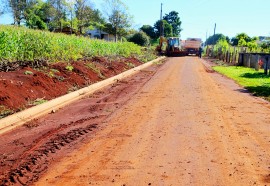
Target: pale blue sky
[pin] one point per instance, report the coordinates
(199, 16)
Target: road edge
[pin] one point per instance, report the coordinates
(15, 120)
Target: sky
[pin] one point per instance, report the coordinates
(199, 16)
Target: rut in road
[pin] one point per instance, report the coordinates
(184, 127)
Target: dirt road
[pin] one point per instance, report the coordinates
(185, 126)
(175, 124)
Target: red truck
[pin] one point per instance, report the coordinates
(192, 46)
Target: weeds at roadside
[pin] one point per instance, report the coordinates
(130, 65)
(95, 69)
(69, 68)
(149, 54)
(27, 72)
(160, 62)
(37, 101)
(73, 88)
(52, 72)
(5, 111)
(220, 62)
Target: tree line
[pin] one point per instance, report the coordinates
(80, 16)
(171, 23)
(241, 40)
(75, 14)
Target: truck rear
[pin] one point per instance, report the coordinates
(192, 46)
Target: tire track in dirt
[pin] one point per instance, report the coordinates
(185, 126)
(29, 150)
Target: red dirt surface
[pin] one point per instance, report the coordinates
(28, 151)
(18, 89)
(173, 124)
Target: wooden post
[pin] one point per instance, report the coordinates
(266, 65)
(240, 61)
(234, 55)
(257, 62)
(237, 57)
(248, 60)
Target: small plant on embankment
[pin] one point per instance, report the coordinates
(37, 101)
(5, 111)
(27, 72)
(255, 81)
(94, 68)
(22, 44)
(69, 67)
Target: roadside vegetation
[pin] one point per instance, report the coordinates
(242, 42)
(255, 81)
(22, 44)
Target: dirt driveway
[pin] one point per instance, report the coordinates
(181, 126)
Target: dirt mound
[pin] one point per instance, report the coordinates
(27, 86)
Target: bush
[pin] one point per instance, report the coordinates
(140, 38)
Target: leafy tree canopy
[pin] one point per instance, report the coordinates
(149, 30)
(168, 30)
(212, 40)
(118, 17)
(140, 38)
(239, 39)
(174, 20)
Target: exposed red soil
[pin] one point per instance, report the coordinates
(18, 89)
(173, 124)
(28, 151)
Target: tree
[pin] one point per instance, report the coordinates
(252, 45)
(222, 45)
(212, 40)
(17, 8)
(149, 30)
(2, 8)
(118, 18)
(58, 13)
(242, 42)
(168, 30)
(174, 20)
(243, 37)
(140, 38)
(36, 14)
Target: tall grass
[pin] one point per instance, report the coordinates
(22, 44)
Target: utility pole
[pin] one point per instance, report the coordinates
(161, 22)
(215, 29)
(206, 38)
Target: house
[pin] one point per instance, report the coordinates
(99, 34)
(66, 30)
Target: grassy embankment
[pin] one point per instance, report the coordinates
(255, 81)
(22, 44)
(19, 44)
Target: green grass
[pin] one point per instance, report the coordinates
(95, 69)
(255, 81)
(5, 111)
(22, 44)
(38, 101)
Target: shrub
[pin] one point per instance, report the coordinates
(140, 38)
